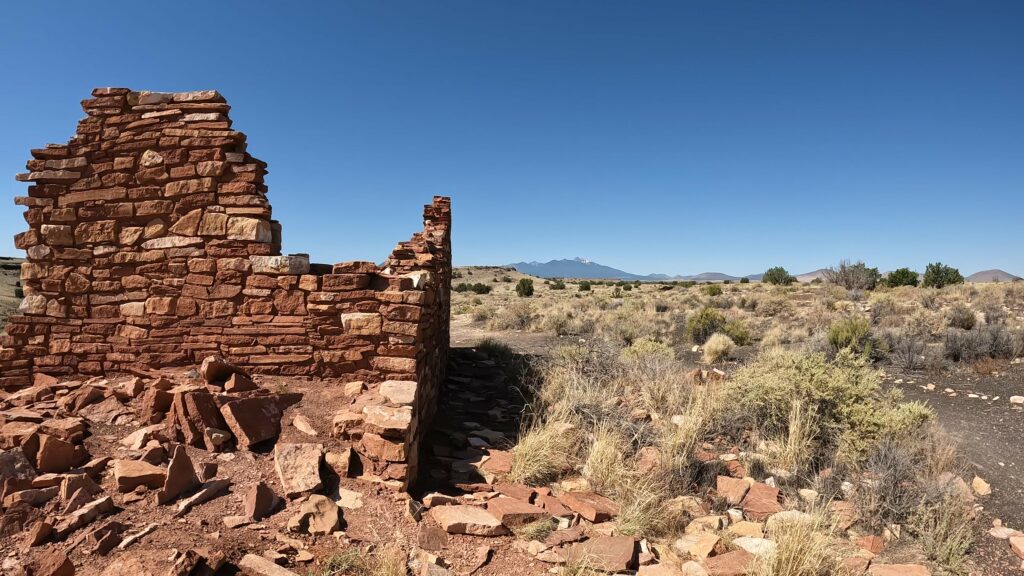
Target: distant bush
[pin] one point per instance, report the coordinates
(906, 348)
(938, 275)
(853, 276)
(515, 316)
(711, 290)
(476, 288)
(962, 317)
(703, 324)
(778, 276)
(584, 286)
(506, 278)
(557, 284)
(661, 307)
(901, 277)
(744, 280)
(524, 288)
(646, 350)
(627, 287)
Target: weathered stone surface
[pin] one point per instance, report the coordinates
(253, 565)
(181, 477)
(605, 553)
(54, 455)
(259, 501)
(402, 392)
(761, 502)
(898, 570)
(731, 489)
(298, 467)
(462, 519)
(513, 513)
(590, 505)
(697, 546)
(317, 515)
(252, 420)
(735, 563)
(53, 562)
(130, 474)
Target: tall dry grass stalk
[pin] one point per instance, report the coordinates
(803, 547)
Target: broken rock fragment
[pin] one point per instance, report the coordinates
(252, 420)
(130, 474)
(259, 501)
(590, 505)
(181, 477)
(298, 467)
(463, 519)
(317, 515)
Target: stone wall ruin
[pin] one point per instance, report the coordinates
(151, 244)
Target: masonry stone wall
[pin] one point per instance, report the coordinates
(151, 243)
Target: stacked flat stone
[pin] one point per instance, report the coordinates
(151, 243)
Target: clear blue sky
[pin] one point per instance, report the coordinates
(673, 137)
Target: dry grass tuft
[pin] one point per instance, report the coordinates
(803, 548)
(719, 347)
(544, 453)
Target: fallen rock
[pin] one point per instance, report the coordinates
(513, 512)
(980, 487)
(761, 502)
(462, 519)
(735, 563)
(239, 383)
(898, 570)
(54, 454)
(349, 499)
(130, 474)
(731, 489)
(53, 562)
(216, 370)
(1017, 545)
(480, 559)
(697, 546)
(259, 501)
(606, 553)
(590, 505)
(302, 424)
(317, 515)
(252, 420)
(431, 538)
(253, 565)
(208, 491)
(298, 467)
(181, 477)
(83, 516)
(756, 546)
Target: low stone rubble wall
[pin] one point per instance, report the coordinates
(151, 243)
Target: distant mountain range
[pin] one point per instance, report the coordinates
(994, 275)
(586, 269)
(583, 268)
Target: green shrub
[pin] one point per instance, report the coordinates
(476, 288)
(703, 324)
(712, 290)
(744, 280)
(627, 287)
(938, 275)
(584, 286)
(853, 333)
(994, 341)
(778, 276)
(901, 277)
(524, 288)
(852, 410)
(557, 284)
(617, 292)
(962, 317)
(738, 331)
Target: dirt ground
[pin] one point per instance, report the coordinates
(978, 413)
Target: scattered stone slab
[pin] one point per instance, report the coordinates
(54, 454)
(898, 570)
(463, 519)
(756, 546)
(1017, 545)
(606, 553)
(302, 424)
(130, 474)
(431, 538)
(83, 516)
(216, 370)
(349, 499)
(400, 392)
(697, 546)
(181, 477)
(253, 565)
(513, 512)
(208, 491)
(53, 562)
(761, 502)
(317, 515)
(734, 563)
(590, 505)
(252, 420)
(731, 489)
(980, 486)
(259, 501)
(298, 467)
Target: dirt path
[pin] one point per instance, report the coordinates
(991, 434)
